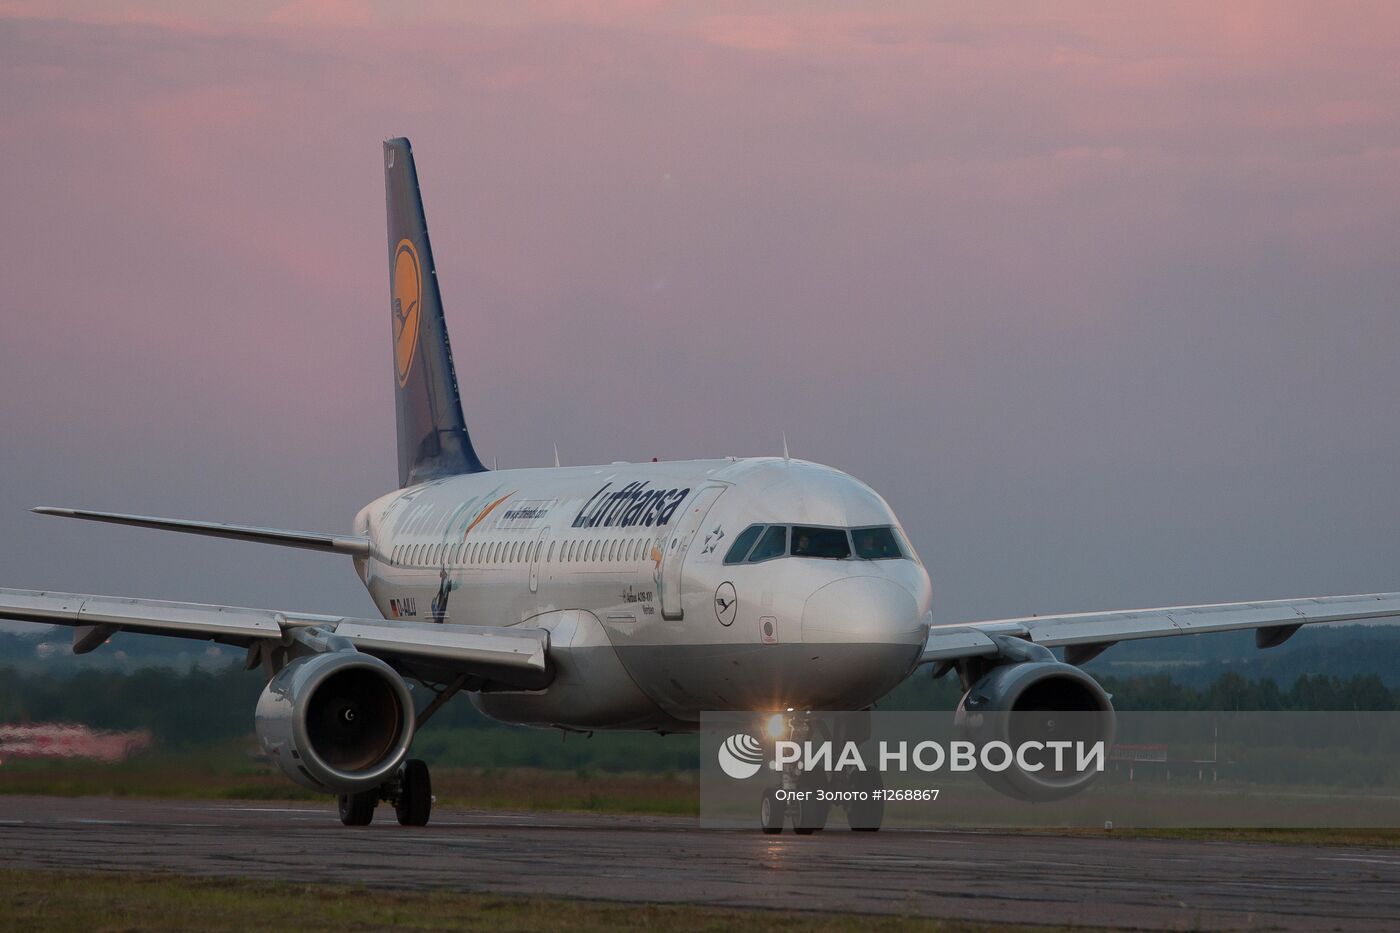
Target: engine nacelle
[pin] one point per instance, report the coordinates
(339, 722)
(1039, 701)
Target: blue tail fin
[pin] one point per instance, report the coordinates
(433, 439)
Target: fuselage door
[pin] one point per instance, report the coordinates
(540, 544)
(679, 545)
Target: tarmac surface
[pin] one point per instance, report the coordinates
(993, 878)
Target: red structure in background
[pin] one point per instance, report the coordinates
(65, 740)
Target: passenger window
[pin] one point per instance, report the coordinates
(612, 550)
(876, 543)
(549, 555)
(772, 544)
(828, 543)
(740, 548)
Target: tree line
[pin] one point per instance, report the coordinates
(200, 707)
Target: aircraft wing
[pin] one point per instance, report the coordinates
(315, 541)
(1084, 635)
(468, 649)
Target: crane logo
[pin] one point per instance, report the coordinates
(407, 303)
(741, 756)
(726, 603)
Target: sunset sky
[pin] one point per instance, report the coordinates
(1104, 298)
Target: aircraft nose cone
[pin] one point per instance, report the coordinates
(867, 610)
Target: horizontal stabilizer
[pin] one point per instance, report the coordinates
(338, 544)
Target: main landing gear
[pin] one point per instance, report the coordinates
(804, 799)
(411, 793)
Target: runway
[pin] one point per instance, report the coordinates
(997, 878)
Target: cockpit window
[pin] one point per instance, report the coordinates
(765, 542)
(740, 548)
(830, 543)
(772, 544)
(876, 543)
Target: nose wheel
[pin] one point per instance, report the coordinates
(411, 793)
(771, 812)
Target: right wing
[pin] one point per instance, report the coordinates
(520, 654)
(341, 544)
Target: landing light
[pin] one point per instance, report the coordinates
(776, 726)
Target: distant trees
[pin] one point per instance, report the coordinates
(1232, 691)
(201, 707)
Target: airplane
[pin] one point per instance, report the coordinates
(625, 596)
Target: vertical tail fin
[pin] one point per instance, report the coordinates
(433, 439)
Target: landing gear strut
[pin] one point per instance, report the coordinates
(411, 793)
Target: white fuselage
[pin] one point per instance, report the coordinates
(625, 566)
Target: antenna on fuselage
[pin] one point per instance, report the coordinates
(495, 462)
(786, 455)
(556, 456)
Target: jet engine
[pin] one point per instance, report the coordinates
(338, 722)
(1053, 710)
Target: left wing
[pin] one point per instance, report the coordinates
(315, 541)
(469, 649)
(1085, 635)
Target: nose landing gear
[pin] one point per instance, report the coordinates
(804, 798)
(411, 793)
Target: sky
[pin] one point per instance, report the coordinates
(1103, 298)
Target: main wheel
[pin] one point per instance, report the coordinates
(415, 801)
(358, 809)
(770, 813)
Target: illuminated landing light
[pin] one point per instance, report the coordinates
(776, 726)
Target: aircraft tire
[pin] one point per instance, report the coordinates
(810, 814)
(358, 809)
(771, 813)
(415, 802)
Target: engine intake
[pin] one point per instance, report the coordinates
(339, 722)
(1040, 701)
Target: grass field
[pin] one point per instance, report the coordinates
(204, 777)
(90, 902)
